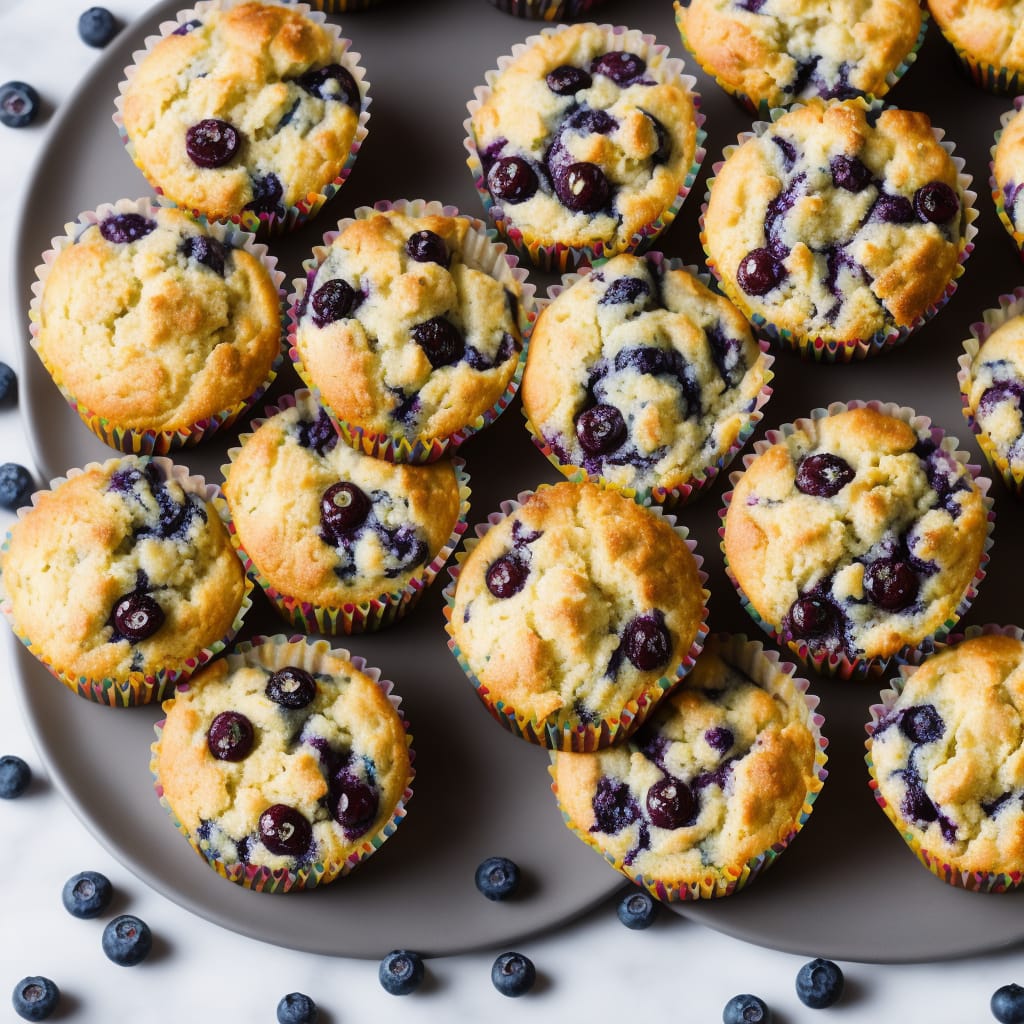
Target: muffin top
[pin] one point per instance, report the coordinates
(152, 322)
(855, 536)
(404, 329)
(282, 765)
(326, 524)
(836, 223)
(641, 374)
(716, 777)
(1008, 169)
(582, 144)
(249, 108)
(779, 51)
(948, 754)
(576, 604)
(121, 572)
(991, 31)
(995, 391)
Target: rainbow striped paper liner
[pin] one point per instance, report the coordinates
(998, 197)
(548, 10)
(566, 732)
(935, 861)
(138, 688)
(277, 652)
(352, 617)
(265, 224)
(764, 667)
(1010, 306)
(138, 440)
(990, 77)
(843, 666)
(763, 109)
(484, 252)
(832, 350)
(694, 486)
(556, 256)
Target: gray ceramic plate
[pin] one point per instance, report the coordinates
(847, 888)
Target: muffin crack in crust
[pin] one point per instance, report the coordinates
(837, 222)
(860, 538)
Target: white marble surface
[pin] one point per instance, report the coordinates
(675, 971)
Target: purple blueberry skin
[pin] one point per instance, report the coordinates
(600, 429)
(567, 79)
(621, 66)
(285, 831)
(850, 173)
(121, 228)
(343, 508)
(507, 575)
(212, 142)
(511, 180)
(230, 736)
(891, 584)
(936, 202)
(334, 300)
(291, 687)
(823, 475)
(647, 643)
(759, 272)
(314, 83)
(354, 803)
(137, 616)
(583, 188)
(441, 341)
(428, 247)
(670, 804)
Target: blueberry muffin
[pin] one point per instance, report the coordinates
(838, 226)
(158, 329)
(575, 613)
(638, 373)
(248, 111)
(713, 786)
(339, 540)
(1008, 173)
(855, 536)
(284, 764)
(987, 36)
(122, 579)
(947, 761)
(409, 327)
(585, 141)
(992, 388)
(770, 53)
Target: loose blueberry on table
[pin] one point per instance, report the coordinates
(513, 974)
(297, 1008)
(637, 910)
(87, 894)
(127, 940)
(19, 104)
(15, 775)
(35, 998)
(746, 1009)
(16, 485)
(401, 972)
(8, 383)
(819, 983)
(1007, 1004)
(497, 878)
(97, 26)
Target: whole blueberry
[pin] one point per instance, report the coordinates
(891, 584)
(670, 804)
(583, 187)
(637, 910)
(334, 300)
(354, 803)
(759, 272)
(343, 508)
(291, 687)
(568, 79)
(127, 940)
(97, 26)
(8, 383)
(212, 142)
(210, 252)
(285, 830)
(621, 66)
(16, 485)
(511, 179)
(332, 82)
(15, 775)
(35, 998)
(936, 202)
(507, 575)
(850, 173)
(647, 642)
(86, 894)
(230, 736)
(513, 974)
(601, 429)
(823, 475)
(296, 1008)
(137, 616)
(1007, 1004)
(19, 104)
(442, 342)
(497, 878)
(746, 1009)
(428, 247)
(893, 209)
(401, 972)
(819, 983)
(123, 228)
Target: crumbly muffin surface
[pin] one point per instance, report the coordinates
(991, 31)
(277, 80)
(717, 777)
(399, 516)
(576, 604)
(600, 142)
(121, 532)
(996, 392)
(338, 763)
(404, 333)
(779, 51)
(153, 323)
(949, 755)
(859, 539)
(1008, 169)
(641, 375)
(837, 226)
